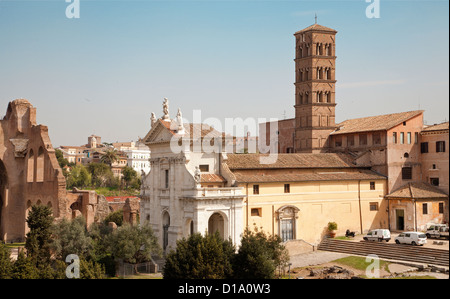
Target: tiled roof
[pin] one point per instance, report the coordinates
(247, 177)
(212, 178)
(316, 27)
(417, 190)
(374, 123)
(322, 160)
(438, 127)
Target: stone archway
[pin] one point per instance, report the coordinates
(216, 223)
(3, 194)
(165, 226)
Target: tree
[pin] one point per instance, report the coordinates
(116, 217)
(24, 268)
(79, 177)
(258, 255)
(200, 257)
(101, 173)
(71, 237)
(5, 262)
(38, 239)
(134, 244)
(110, 156)
(129, 176)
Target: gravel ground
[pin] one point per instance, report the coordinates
(315, 258)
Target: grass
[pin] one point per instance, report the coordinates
(14, 245)
(359, 263)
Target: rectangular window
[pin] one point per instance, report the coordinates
(407, 173)
(256, 212)
(287, 188)
(440, 146)
(402, 138)
(424, 208)
(441, 208)
(416, 137)
(424, 147)
(204, 168)
(394, 137)
(338, 141)
(255, 189)
(373, 206)
(372, 185)
(362, 139)
(351, 140)
(376, 137)
(434, 181)
(408, 137)
(166, 182)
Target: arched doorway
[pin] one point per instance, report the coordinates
(3, 194)
(216, 223)
(166, 225)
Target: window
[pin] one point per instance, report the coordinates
(440, 146)
(441, 208)
(416, 137)
(373, 206)
(338, 141)
(166, 182)
(372, 185)
(407, 173)
(255, 189)
(376, 137)
(433, 166)
(256, 212)
(408, 137)
(362, 139)
(351, 140)
(424, 147)
(434, 181)
(424, 208)
(204, 168)
(287, 188)
(394, 137)
(406, 155)
(402, 138)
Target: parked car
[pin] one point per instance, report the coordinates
(378, 235)
(437, 231)
(413, 238)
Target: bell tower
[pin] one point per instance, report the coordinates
(315, 62)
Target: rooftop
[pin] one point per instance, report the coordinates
(417, 190)
(316, 27)
(374, 123)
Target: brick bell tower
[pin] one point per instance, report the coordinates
(315, 82)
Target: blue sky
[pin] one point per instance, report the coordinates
(105, 72)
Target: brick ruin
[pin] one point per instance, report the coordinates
(30, 174)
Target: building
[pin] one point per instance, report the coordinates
(434, 155)
(184, 192)
(388, 143)
(298, 195)
(138, 157)
(30, 175)
(315, 61)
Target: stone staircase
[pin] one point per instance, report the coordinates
(391, 251)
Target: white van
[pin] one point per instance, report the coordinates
(378, 235)
(413, 238)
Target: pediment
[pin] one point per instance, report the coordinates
(159, 133)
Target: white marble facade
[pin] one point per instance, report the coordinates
(172, 199)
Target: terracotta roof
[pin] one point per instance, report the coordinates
(316, 27)
(323, 160)
(437, 127)
(417, 190)
(212, 178)
(374, 123)
(246, 177)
